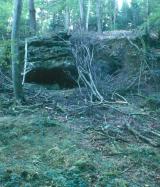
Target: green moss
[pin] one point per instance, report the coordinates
(37, 150)
(85, 164)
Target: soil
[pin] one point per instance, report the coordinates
(59, 139)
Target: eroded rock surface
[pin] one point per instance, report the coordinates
(113, 51)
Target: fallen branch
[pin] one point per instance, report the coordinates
(155, 133)
(137, 134)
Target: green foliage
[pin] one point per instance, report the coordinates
(154, 18)
(5, 17)
(5, 54)
(51, 15)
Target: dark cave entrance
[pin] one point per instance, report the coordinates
(65, 77)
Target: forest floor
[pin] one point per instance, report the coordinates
(58, 139)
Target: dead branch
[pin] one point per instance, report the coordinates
(84, 62)
(142, 137)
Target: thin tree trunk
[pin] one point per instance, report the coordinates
(16, 71)
(81, 8)
(67, 19)
(98, 15)
(148, 25)
(88, 12)
(32, 18)
(115, 14)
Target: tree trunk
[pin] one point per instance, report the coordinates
(16, 71)
(67, 19)
(147, 12)
(115, 14)
(82, 20)
(32, 18)
(88, 12)
(98, 15)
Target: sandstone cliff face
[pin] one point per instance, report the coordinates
(114, 51)
(49, 51)
(56, 49)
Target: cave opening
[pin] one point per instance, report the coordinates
(64, 77)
